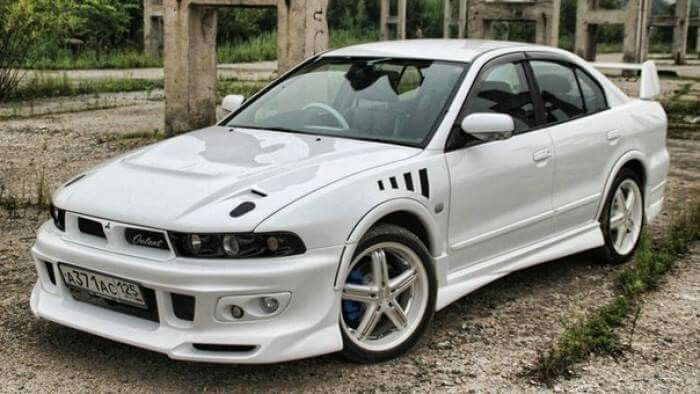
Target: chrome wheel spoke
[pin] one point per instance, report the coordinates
(360, 293)
(379, 268)
(369, 322)
(617, 221)
(396, 314)
(629, 202)
(619, 200)
(402, 282)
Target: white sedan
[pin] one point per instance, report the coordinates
(344, 204)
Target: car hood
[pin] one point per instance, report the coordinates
(192, 182)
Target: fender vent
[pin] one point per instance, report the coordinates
(408, 183)
(424, 184)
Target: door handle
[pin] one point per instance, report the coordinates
(542, 155)
(613, 135)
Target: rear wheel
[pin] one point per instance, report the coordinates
(622, 219)
(388, 296)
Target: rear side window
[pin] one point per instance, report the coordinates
(559, 90)
(593, 96)
(504, 89)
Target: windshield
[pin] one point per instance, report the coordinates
(388, 100)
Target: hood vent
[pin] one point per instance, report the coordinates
(242, 209)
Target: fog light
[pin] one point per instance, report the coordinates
(237, 312)
(269, 304)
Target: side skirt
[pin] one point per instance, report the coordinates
(466, 280)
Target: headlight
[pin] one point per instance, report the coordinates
(236, 246)
(58, 216)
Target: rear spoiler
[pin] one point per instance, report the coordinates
(649, 86)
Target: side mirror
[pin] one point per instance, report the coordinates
(231, 102)
(489, 126)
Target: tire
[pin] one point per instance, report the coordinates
(613, 252)
(370, 324)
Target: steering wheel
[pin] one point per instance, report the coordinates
(332, 111)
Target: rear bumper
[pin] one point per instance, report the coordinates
(306, 326)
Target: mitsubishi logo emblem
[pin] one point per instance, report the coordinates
(108, 226)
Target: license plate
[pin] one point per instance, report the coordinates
(101, 285)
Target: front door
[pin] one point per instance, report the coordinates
(501, 194)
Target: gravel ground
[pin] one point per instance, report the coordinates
(481, 342)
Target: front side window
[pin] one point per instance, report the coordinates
(559, 91)
(504, 89)
(384, 99)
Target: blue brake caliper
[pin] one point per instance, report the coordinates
(352, 310)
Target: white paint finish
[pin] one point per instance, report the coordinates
(192, 182)
(583, 157)
(493, 208)
(488, 126)
(487, 215)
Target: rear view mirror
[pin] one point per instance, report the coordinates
(489, 126)
(232, 102)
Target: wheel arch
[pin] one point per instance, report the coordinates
(634, 160)
(404, 212)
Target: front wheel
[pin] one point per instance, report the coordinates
(622, 219)
(388, 296)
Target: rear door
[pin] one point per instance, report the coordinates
(583, 133)
(501, 191)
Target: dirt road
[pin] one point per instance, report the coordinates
(481, 342)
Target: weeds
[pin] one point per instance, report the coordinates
(596, 333)
(42, 86)
(121, 58)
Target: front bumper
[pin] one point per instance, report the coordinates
(307, 326)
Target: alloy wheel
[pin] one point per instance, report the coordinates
(626, 215)
(384, 296)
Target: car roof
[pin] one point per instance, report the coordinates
(460, 50)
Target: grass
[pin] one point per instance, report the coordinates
(41, 86)
(260, 48)
(232, 86)
(49, 86)
(64, 59)
(597, 332)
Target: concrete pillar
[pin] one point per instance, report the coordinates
(386, 19)
(449, 20)
(152, 27)
(190, 66)
(680, 31)
(634, 17)
(302, 31)
(190, 52)
(544, 13)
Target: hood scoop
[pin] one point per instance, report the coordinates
(242, 209)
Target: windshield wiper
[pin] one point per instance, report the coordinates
(272, 128)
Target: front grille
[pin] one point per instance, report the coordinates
(145, 238)
(150, 313)
(87, 226)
